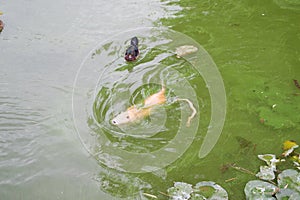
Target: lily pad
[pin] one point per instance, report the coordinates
(266, 173)
(287, 194)
(288, 144)
(294, 196)
(289, 147)
(288, 187)
(209, 190)
(290, 179)
(180, 191)
(257, 189)
(270, 159)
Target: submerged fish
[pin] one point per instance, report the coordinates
(133, 113)
(185, 50)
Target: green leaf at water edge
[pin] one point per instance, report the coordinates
(257, 189)
(270, 159)
(266, 173)
(289, 194)
(290, 179)
(180, 191)
(209, 190)
(203, 190)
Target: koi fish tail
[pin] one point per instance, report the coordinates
(188, 123)
(163, 87)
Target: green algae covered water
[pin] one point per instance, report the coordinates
(255, 45)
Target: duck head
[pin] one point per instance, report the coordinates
(131, 53)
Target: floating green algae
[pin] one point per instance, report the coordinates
(258, 73)
(254, 44)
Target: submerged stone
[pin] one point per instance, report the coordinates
(185, 50)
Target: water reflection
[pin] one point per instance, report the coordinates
(41, 48)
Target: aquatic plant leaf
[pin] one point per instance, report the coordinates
(203, 190)
(290, 179)
(270, 159)
(287, 194)
(209, 190)
(197, 197)
(257, 189)
(294, 196)
(180, 191)
(267, 158)
(288, 152)
(266, 173)
(289, 144)
(296, 161)
(289, 147)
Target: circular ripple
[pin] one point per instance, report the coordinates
(106, 85)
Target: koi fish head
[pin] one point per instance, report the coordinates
(132, 114)
(122, 118)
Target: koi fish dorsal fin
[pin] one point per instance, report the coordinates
(163, 87)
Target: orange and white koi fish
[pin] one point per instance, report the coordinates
(133, 113)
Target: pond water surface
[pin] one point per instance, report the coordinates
(47, 47)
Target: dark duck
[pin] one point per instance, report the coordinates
(132, 52)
